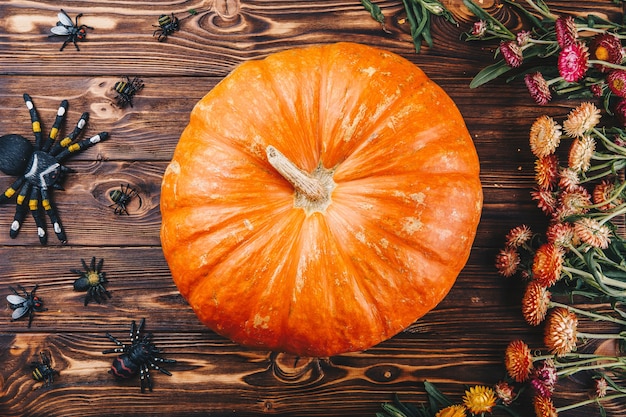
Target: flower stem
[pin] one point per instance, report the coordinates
(595, 316)
(589, 401)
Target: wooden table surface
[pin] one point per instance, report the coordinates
(461, 342)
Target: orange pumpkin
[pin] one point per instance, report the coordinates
(320, 200)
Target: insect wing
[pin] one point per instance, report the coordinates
(60, 30)
(19, 312)
(64, 19)
(15, 300)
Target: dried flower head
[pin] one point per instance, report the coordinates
(566, 33)
(518, 360)
(507, 262)
(573, 62)
(522, 37)
(560, 331)
(616, 80)
(573, 202)
(544, 407)
(546, 200)
(601, 386)
(518, 236)
(544, 378)
(580, 153)
(547, 171)
(512, 53)
(504, 392)
(479, 399)
(538, 88)
(479, 28)
(452, 411)
(535, 303)
(560, 234)
(569, 179)
(545, 136)
(603, 196)
(548, 264)
(620, 112)
(581, 120)
(606, 47)
(597, 89)
(591, 232)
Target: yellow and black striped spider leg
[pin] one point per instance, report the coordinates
(34, 119)
(35, 211)
(67, 141)
(81, 145)
(21, 210)
(54, 131)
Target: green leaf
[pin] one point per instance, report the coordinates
(489, 73)
(375, 11)
(434, 393)
(392, 410)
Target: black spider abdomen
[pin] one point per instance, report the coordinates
(44, 170)
(15, 153)
(123, 367)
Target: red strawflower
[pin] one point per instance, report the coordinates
(479, 28)
(566, 32)
(606, 47)
(620, 113)
(616, 80)
(597, 89)
(512, 53)
(573, 62)
(538, 88)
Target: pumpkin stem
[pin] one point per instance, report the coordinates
(312, 190)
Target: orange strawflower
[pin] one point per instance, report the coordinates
(518, 236)
(452, 411)
(602, 194)
(568, 179)
(544, 407)
(581, 120)
(580, 153)
(547, 171)
(504, 392)
(591, 232)
(560, 331)
(479, 399)
(535, 303)
(545, 136)
(560, 234)
(518, 360)
(548, 264)
(507, 262)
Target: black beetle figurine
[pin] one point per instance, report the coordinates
(126, 90)
(92, 280)
(43, 371)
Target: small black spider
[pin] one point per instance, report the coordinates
(39, 168)
(92, 280)
(65, 27)
(126, 90)
(122, 197)
(43, 371)
(27, 303)
(138, 357)
(168, 24)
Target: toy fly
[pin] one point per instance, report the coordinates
(73, 31)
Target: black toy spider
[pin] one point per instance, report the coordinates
(139, 356)
(65, 27)
(39, 169)
(168, 24)
(122, 197)
(27, 303)
(92, 280)
(126, 90)
(43, 371)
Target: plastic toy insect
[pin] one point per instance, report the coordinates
(122, 197)
(138, 357)
(168, 24)
(39, 169)
(26, 303)
(92, 280)
(43, 371)
(126, 90)
(73, 32)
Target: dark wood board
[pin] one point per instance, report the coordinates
(459, 343)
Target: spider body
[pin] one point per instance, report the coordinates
(168, 24)
(121, 197)
(138, 357)
(126, 90)
(25, 303)
(92, 280)
(40, 169)
(71, 30)
(43, 371)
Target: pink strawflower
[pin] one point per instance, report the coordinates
(573, 62)
(522, 37)
(544, 378)
(597, 89)
(566, 32)
(538, 88)
(616, 80)
(512, 53)
(620, 113)
(479, 28)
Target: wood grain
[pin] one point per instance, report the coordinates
(461, 342)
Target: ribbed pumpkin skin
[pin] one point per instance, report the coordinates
(385, 251)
